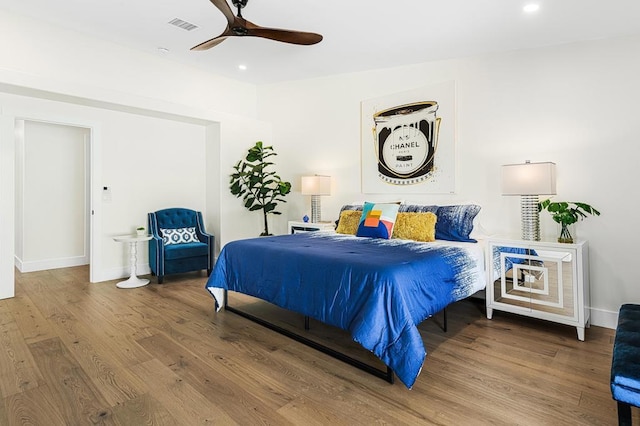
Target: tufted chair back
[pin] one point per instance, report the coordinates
(174, 218)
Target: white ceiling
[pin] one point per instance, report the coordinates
(358, 35)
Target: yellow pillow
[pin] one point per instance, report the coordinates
(349, 220)
(415, 226)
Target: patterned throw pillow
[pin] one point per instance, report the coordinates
(349, 221)
(455, 223)
(377, 220)
(179, 236)
(415, 226)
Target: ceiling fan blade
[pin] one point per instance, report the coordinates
(225, 9)
(237, 26)
(286, 36)
(210, 43)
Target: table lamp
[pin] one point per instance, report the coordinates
(529, 180)
(316, 186)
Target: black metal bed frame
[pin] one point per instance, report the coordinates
(387, 374)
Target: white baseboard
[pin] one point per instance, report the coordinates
(602, 318)
(43, 265)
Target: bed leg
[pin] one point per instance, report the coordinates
(444, 328)
(306, 322)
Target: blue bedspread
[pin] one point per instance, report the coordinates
(378, 290)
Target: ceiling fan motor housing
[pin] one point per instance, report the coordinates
(240, 3)
(240, 31)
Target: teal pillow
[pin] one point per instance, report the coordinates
(377, 220)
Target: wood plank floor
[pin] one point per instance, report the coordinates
(76, 353)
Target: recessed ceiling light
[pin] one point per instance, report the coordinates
(530, 8)
(242, 67)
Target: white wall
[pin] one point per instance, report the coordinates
(7, 207)
(155, 125)
(42, 56)
(575, 105)
(148, 163)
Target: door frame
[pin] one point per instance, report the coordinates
(91, 179)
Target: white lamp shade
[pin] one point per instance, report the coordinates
(316, 185)
(529, 179)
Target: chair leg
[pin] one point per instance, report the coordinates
(160, 279)
(209, 272)
(624, 414)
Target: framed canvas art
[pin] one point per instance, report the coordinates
(408, 141)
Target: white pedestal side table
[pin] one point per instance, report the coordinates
(133, 240)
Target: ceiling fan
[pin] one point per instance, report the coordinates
(237, 26)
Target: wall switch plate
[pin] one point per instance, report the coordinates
(106, 194)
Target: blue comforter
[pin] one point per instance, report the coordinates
(378, 290)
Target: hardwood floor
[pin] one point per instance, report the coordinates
(75, 353)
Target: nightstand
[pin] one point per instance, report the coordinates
(539, 279)
(296, 227)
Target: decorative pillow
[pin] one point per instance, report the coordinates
(455, 223)
(418, 208)
(415, 226)
(179, 235)
(349, 220)
(377, 220)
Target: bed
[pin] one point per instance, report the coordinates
(377, 289)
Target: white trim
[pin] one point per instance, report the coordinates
(7, 204)
(93, 178)
(602, 318)
(42, 265)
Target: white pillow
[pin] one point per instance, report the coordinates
(179, 236)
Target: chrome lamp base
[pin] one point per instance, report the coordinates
(530, 217)
(315, 209)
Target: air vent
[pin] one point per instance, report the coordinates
(183, 24)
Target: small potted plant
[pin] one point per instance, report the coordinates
(566, 213)
(141, 231)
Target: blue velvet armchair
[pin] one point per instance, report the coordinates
(180, 243)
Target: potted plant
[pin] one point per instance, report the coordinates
(259, 187)
(141, 231)
(566, 213)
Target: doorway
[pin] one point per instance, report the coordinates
(53, 195)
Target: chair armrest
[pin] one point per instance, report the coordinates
(203, 235)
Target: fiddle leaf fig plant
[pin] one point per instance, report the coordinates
(567, 213)
(259, 187)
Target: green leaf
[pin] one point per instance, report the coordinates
(567, 212)
(260, 187)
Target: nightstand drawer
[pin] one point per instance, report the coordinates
(297, 227)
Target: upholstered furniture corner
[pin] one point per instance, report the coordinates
(625, 365)
(166, 259)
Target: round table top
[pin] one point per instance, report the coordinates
(133, 238)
